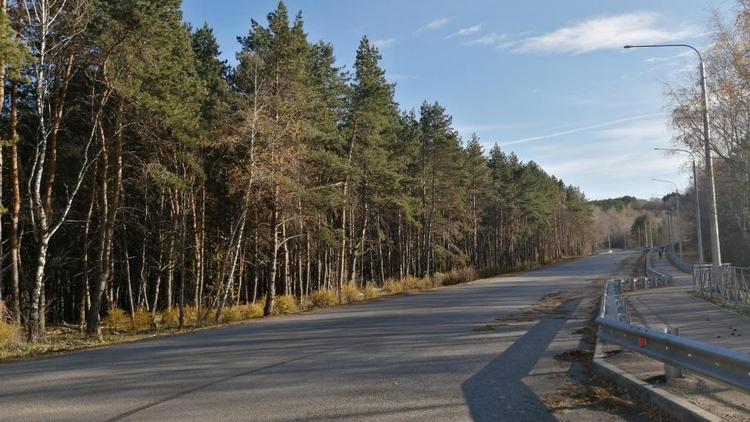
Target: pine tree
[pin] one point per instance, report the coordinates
(371, 126)
(479, 194)
(442, 178)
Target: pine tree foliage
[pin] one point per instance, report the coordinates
(200, 184)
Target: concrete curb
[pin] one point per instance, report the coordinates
(675, 406)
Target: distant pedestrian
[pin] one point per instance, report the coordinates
(661, 252)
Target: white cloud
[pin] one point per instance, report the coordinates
(605, 101)
(668, 58)
(384, 43)
(580, 129)
(614, 160)
(435, 24)
(401, 77)
(493, 39)
(466, 31)
(467, 129)
(604, 32)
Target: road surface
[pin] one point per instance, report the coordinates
(414, 357)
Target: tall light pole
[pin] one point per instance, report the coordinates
(696, 200)
(713, 218)
(678, 235)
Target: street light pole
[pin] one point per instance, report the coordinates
(713, 217)
(696, 200)
(678, 235)
(698, 230)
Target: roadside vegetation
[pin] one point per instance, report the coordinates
(148, 185)
(120, 327)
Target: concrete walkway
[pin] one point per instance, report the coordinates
(675, 307)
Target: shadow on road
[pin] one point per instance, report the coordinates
(497, 392)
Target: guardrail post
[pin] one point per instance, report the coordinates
(672, 372)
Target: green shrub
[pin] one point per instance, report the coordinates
(323, 298)
(351, 293)
(286, 304)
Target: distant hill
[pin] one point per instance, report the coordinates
(618, 203)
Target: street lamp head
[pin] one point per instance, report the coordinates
(628, 46)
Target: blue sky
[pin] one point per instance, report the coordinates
(546, 79)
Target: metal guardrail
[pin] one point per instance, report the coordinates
(681, 264)
(651, 271)
(718, 363)
(727, 283)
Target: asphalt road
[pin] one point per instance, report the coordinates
(414, 357)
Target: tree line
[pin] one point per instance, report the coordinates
(141, 171)
(727, 63)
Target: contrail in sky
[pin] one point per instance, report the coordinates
(580, 129)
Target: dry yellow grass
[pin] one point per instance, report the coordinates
(253, 310)
(232, 314)
(393, 286)
(120, 328)
(10, 335)
(286, 304)
(415, 283)
(142, 321)
(351, 293)
(458, 276)
(117, 320)
(170, 318)
(370, 291)
(323, 298)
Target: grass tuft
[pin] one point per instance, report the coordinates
(351, 293)
(10, 335)
(393, 286)
(117, 320)
(142, 321)
(232, 314)
(286, 304)
(438, 279)
(415, 283)
(323, 298)
(370, 291)
(459, 275)
(170, 318)
(253, 310)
